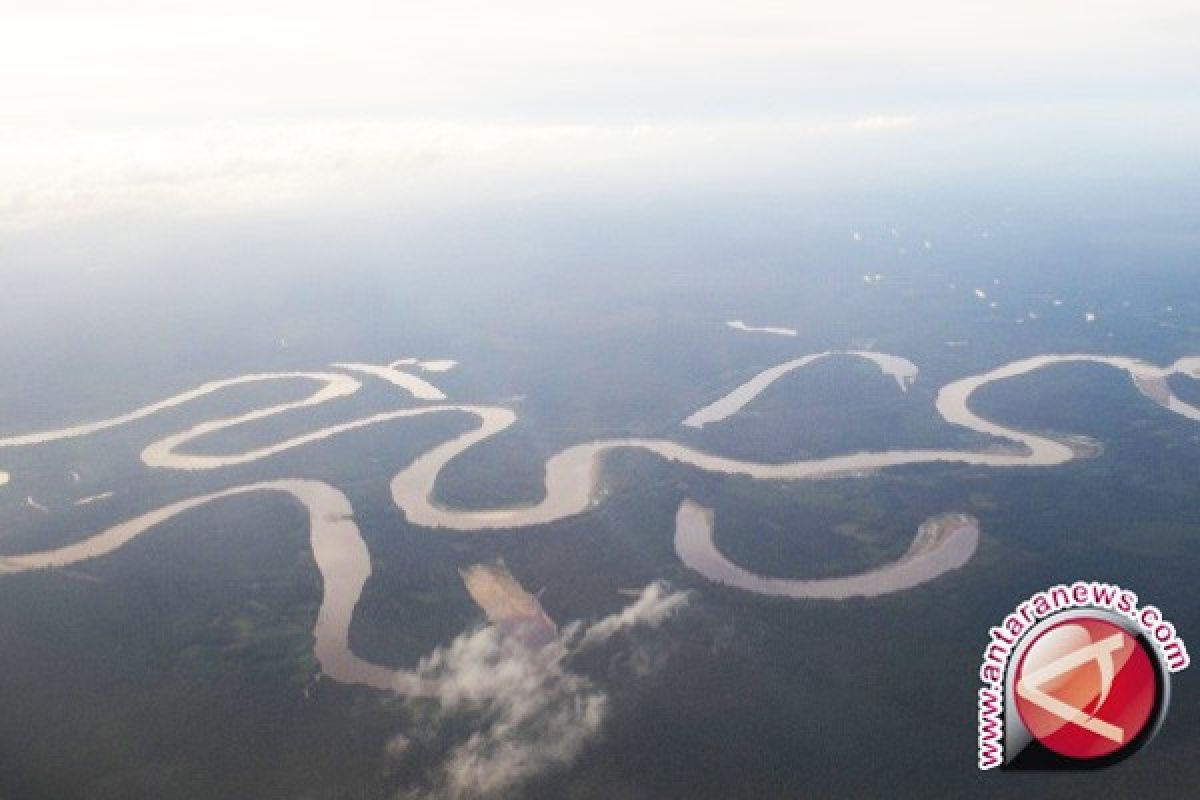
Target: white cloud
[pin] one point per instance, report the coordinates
(655, 604)
(533, 714)
(530, 711)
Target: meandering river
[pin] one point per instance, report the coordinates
(942, 543)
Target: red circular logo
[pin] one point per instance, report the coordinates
(1085, 688)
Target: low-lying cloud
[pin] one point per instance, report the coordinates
(529, 712)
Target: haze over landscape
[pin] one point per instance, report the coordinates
(581, 400)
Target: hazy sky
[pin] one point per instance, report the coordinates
(593, 61)
(232, 105)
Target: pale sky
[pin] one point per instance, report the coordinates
(230, 105)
